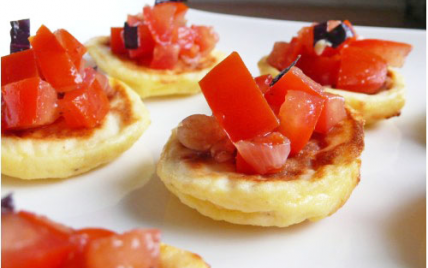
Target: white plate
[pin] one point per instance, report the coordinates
(382, 224)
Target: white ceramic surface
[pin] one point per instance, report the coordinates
(382, 224)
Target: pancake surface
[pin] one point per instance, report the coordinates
(313, 184)
(373, 107)
(149, 82)
(172, 257)
(56, 151)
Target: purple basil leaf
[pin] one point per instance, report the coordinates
(130, 36)
(157, 2)
(19, 35)
(7, 204)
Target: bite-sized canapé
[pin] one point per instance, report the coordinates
(156, 53)
(32, 241)
(361, 70)
(60, 118)
(275, 152)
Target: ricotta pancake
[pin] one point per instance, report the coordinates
(55, 151)
(149, 82)
(312, 185)
(373, 107)
(172, 257)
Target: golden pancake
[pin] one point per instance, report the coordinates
(373, 107)
(313, 184)
(56, 151)
(149, 82)
(172, 257)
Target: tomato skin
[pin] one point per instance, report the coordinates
(323, 70)
(206, 38)
(394, 53)
(306, 39)
(361, 71)
(278, 58)
(160, 20)
(263, 82)
(54, 62)
(137, 249)
(236, 100)
(117, 44)
(73, 47)
(18, 66)
(165, 57)
(298, 115)
(332, 113)
(145, 41)
(28, 103)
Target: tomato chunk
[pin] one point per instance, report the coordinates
(263, 82)
(146, 43)
(165, 57)
(18, 66)
(394, 53)
(332, 113)
(278, 58)
(28, 103)
(243, 167)
(361, 71)
(117, 44)
(28, 243)
(236, 100)
(294, 79)
(323, 70)
(206, 38)
(137, 249)
(160, 20)
(298, 115)
(73, 47)
(54, 62)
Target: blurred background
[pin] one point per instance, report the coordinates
(384, 13)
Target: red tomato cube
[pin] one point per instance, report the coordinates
(236, 100)
(18, 66)
(73, 47)
(279, 57)
(117, 44)
(206, 38)
(146, 43)
(160, 20)
(54, 62)
(306, 39)
(332, 113)
(263, 82)
(165, 57)
(323, 70)
(361, 71)
(298, 115)
(28, 103)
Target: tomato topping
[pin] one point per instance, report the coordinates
(165, 57)
(236, 100)
(184, 37)
(361, 71)
(137, 249)
(28, 103)
(332, 113)
(278, 58)
(86, 106)
(306, 39)
(116, 40)
(160, 20)
(28, 242)
(206, 38)
(18, 66)
(264, 153)
(135, 20)
(54, 62)
(323, 70)
(298, 115)
(294, 79)
(263, 82)
(394, 53)
(73, 47)
(146, 43)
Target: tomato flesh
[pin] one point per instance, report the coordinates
(206, 38)
(298, 115)
(361, 71)
(54, 62)
(160, 20)
(73, 47)
(263, 82)
(236, 100)
(137, 249)
(117, 44)
(18, 66)
(323, 70)
(332, 113)
(165, 57)
(278, 58)
(28, 103)
(146, 43)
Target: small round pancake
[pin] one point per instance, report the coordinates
(56, 151)
(172, 257)
(373, 107)
(149, 82)
(313, 184)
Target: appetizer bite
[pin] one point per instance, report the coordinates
(361, 70)
(155, 53)
(32, 241)
(60, 118)
(275, 152)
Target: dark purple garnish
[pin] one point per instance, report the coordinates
(336, 36)
(157, 2)
(7, 204)
(283, 72)
(320, 32)
(19, 35)
(130, 36)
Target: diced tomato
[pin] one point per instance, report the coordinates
(190, 56)
(117, 44)
(28, 103)
(86, 106)
(265, 153)
(394, 53)
(135, 20)
(160, 20)
(263, 82)
(294, 79)
(206, 38)
(146, 43)
(28, 243)
(298, 115)
(105, 84)
(278, 58)
(18, 66)
(361, 71)
(137, 249)
(165, 57)
(73, 47)
(306, 39)
(236, 100)
(55, 64)
(323, 70)
(184, 37)
(332, 113)
(243, 167)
